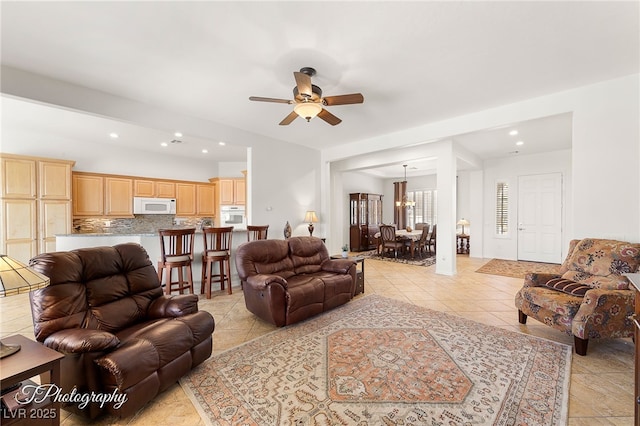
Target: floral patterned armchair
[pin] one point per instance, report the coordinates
(589, 298)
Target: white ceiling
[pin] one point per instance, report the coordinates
(414, 62)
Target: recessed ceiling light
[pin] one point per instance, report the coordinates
(221, 143)
(164, 144)
(519, 143)
(513, 132)
(204, 151)
(177, 134)
(113, 135)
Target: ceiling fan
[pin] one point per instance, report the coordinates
(308, 101)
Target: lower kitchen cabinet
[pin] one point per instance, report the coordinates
(19, 229)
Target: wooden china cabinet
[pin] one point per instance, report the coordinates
(365, 212)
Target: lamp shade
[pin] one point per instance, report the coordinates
(310, 217)
(463, 222)
(16, 277)
(307, 110)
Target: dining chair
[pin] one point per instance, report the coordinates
(176, 251)
(431, 242)
(421, 244)
(257, 232)
(217, 249)
(390, 240)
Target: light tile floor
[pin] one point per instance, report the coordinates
(601, 383)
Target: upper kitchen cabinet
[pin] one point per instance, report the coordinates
(18, 177)
(55, 180)
(88, 195)
(118, 197)
(185, 199)
(102, 195)
(206, 196)
(232, 191)
(154, 188)
(35, 204)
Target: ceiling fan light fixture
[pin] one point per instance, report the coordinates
(307, 110)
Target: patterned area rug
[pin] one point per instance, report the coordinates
(406, 258)
(517, 268)
(377, 361)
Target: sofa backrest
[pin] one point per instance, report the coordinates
(105, 288)
(307, 254)
(264, 257)
(600, 263)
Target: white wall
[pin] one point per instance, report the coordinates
(285, 183)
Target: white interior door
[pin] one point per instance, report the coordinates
(540, 218)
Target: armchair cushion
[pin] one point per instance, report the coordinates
(607, 259)
(567, 286)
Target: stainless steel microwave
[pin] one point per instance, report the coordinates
(142, 205)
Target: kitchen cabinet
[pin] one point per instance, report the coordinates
(19, 229)
(54, 219)
(88, 195)
(205, 196)
(102, 195)
(18, 178)
(154, 188)
(232, 191)
(35, 204)
(54, 181)
(185, 199)
(118, 194)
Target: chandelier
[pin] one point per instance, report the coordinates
(405, 202)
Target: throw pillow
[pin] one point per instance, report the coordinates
(568, 286)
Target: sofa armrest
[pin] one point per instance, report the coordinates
(261, 281)
(81, 340)
(534, 279)
(604, 313)
(339, 266)
(173, 306)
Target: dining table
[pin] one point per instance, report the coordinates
(410, 236)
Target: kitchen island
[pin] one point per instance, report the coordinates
(151, 242)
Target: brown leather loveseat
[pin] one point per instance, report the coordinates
(105, 310)
(287, 281)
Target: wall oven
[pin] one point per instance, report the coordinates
(233, 216)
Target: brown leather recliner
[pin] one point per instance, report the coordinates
(287, 281)
(105, 310)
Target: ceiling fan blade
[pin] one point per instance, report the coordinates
(353, 98)
(260, 99)
(328, 117)
(289, 118)
(303, 81)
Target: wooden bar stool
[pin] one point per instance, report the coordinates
(257, 232)
(217, 249)
(176, 251)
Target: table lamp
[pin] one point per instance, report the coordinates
(311, 218)
(463, 222)
(16, 278)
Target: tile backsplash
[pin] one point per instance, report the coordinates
(140, 224)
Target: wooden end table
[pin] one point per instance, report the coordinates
(31, 360)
